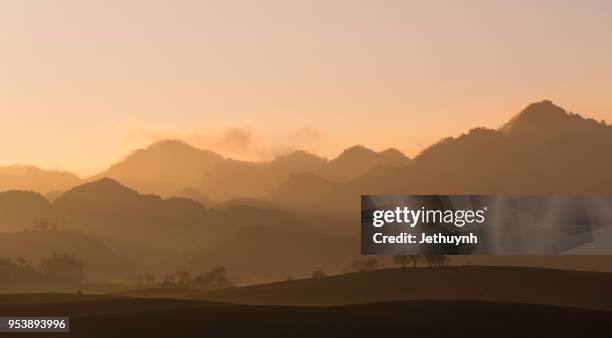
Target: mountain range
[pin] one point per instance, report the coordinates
(542, 150)
(310, 202)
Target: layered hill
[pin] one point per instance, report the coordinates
(31, 178)
(234, 179)
(144, 228)
(274, 253)
(101, 263)
(542, 150)
(195, 195)
(163, 168)
(168, 167)
(20, 210)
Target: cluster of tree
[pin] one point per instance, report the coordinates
(366, 264)
(370, 264)
(215, 278)
(415, 260)
(56, 271)
(44, 225)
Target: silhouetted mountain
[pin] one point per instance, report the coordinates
(239, 179)
(126, 219)
(163, 168)
(51, 196)
(545, 119)
(297, 161)
(101, 263)
(298, 191)
(392, 157)
(236, 179)
(193, 194)
(260, 251)
(542, 150)
(35, 179)
(358, 160)
(21, 209)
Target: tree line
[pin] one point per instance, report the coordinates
(58, 270)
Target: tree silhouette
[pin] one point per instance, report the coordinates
(183, 277)
(405, 260)
(436, 260)
(318, 274)
(216, 278)
(362, 265)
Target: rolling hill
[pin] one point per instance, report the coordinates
(587, 290)
(239, 179)
(165, 318)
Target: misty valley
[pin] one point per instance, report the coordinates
(177, 231)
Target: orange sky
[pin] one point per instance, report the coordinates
(84, 83)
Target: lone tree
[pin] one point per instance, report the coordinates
(405, 260)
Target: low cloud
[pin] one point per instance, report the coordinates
(233, 140)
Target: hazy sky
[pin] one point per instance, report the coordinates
(82, 83)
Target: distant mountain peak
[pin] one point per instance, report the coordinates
(170, 144)
(356, 152)
(545, 118)
(23, 169)
(394, 155)
(298, 159)
(195, 195)
(297, 154)
(101, 186)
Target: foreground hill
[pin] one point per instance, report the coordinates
(32, 178)
(169, 318)
(499, 284)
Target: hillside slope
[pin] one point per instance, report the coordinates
(499, 284)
